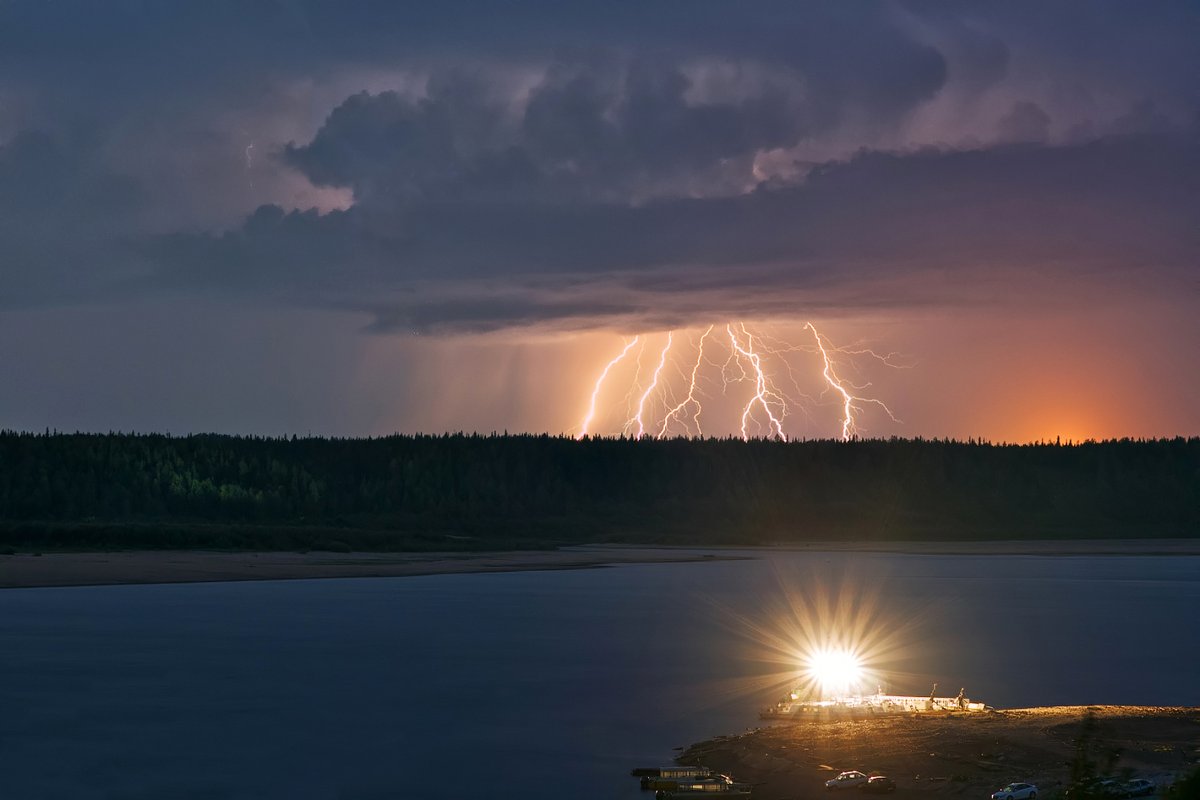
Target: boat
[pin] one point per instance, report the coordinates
(872, 705)
(721, 786)
(669, 777)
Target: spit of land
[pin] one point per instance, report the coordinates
(955, 755)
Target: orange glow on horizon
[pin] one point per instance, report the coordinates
(1070, 378)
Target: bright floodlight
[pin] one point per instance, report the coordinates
(836, 671)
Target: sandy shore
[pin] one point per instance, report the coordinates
(185, 566)
(966, 756)
(1006, 547)
(88, 569)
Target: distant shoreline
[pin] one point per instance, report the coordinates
(61, 569)
(27, 571)
(1007, 547)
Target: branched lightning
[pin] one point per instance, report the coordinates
(591, 414)
(849, 428)
(763, 395)
(637, 418)
(754, 358)
(691, 395)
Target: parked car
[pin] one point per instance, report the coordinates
(1016, 791)
(1139, 787)
(1091, 789)
(847, 780)
(879, 784)
(1110, 788)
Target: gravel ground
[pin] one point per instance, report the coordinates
(952, 756)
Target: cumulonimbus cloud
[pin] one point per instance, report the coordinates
(925, 224)
(645, 168)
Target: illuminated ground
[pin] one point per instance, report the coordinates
(960, 756)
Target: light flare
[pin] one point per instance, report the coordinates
(830, 630)
(837, 671)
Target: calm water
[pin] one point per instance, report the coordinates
(538, 684)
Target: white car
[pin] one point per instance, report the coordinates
(847, 780)
(1016, 791)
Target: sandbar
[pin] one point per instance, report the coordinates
(190, 566)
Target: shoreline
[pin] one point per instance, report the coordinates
(989, 547)
(26, 571)
(108, 568)
(955, 755)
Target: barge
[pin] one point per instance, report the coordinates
(792, 707)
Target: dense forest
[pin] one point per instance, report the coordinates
(474, 492)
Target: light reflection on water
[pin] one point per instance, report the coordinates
(538, 684)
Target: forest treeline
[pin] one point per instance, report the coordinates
(475, 492)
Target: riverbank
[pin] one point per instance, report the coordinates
(1003, 547)
(27, 570)
(192, 566)
(963, 755)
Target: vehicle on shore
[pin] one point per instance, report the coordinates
(879, 784)
(1016, 791)
(847, 780)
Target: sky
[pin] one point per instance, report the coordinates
(962, 219)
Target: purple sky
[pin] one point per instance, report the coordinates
(363, 217)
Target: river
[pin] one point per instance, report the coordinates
(539, 684)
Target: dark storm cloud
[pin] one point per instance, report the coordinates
(59, 209)
(1081, 211)
(576, 136)
(573, 163)
(1026, 122)
(45, 181)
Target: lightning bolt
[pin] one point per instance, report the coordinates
(754, 357)
(762, 391)
(691, 395)
(849, 428)
(250, 164)
(641, 407)
(591, 413)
